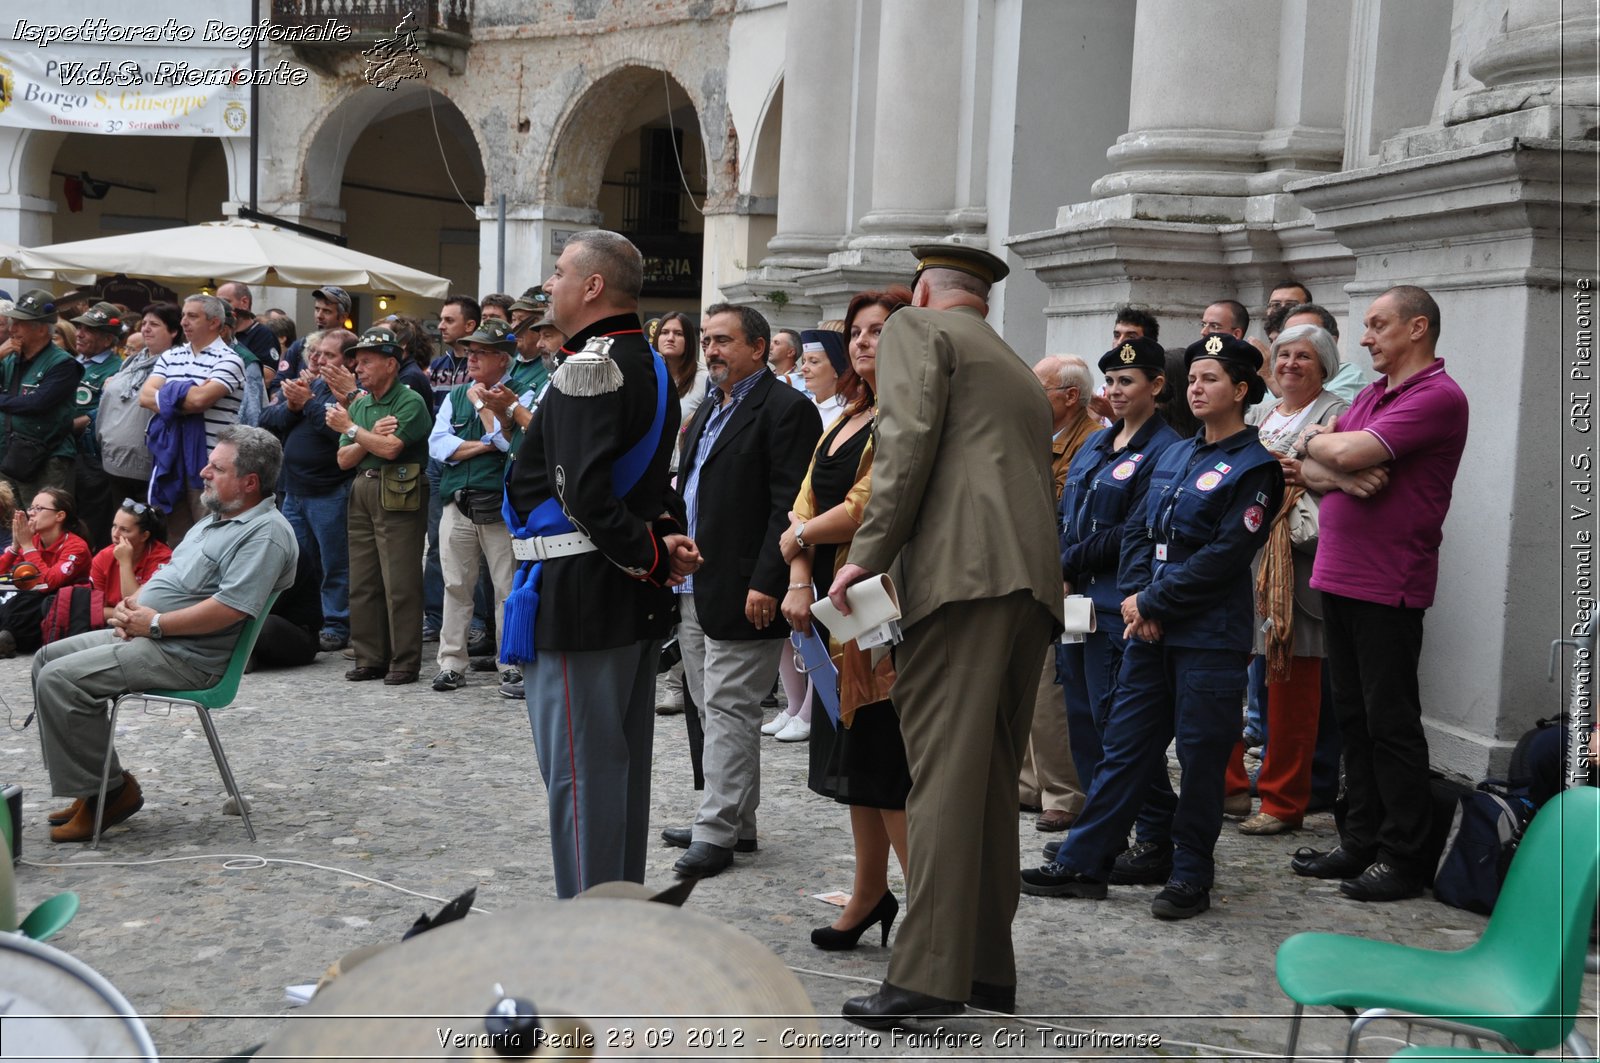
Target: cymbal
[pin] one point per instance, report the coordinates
(613, 978)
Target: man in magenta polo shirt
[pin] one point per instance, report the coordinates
(1387, 466)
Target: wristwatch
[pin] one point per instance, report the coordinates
(350, 433)
(155, 626)
(800, 536)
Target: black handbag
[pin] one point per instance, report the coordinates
(23, 458)
(481, 507)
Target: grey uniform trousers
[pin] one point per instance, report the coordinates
(593, 719)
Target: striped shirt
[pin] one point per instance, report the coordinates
(217, 361)
(721, 413)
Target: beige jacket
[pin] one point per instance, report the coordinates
(962, 491)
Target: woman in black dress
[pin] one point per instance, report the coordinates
(862, 762)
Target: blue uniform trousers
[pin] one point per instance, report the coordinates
(1088, 672)
(1163, 692)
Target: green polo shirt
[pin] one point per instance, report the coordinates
(406, 407)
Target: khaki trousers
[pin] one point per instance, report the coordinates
(385, 579)
(966, 680)
(460, 544)
(1049, 778)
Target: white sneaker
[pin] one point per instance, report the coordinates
(796, 730)
(776, 724)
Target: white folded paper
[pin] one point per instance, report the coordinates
(1079, 616)
(874, 608)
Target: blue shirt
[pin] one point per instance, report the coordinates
(721, 413)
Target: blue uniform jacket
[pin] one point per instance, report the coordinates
(1104, 486)
(1187, 551)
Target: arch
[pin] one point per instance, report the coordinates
(328, 149)
(581, 143)
(759, 176)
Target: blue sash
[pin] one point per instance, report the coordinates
(517, 642)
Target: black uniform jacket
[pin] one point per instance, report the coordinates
(618, 595)
(747, 487)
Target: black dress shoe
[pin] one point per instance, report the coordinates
(1381, 882)
(703, 860)
(991, 997)
(890, 1006)
(1337, 862)
(682, 837)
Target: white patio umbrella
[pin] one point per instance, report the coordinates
(11, 266)
(231, 250)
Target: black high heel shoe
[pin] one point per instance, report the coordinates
(831, 940)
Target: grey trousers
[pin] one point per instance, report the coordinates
(73, 681)
(727, 680)
(593, 719)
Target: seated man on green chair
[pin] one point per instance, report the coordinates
(177, 632)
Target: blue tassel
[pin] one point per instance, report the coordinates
(521, 610)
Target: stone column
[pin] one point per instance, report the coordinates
(27, 209)
(1541, 67)
(813, 165)
(534, 234)
(811, 154)
(1194, 208)
(918, 140)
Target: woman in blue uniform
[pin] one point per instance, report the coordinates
(1188, 615)
(1105, 482)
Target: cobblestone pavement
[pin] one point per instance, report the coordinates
(438, 792)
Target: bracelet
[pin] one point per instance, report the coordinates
(801, 587)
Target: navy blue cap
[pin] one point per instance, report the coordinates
(1138, 353)
(831, 344)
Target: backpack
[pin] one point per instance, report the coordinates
(1488, 826)
(120, 422)
(73, 611)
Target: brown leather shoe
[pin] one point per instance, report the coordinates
(399, 679)
(361, 674)
(1054, 819)
(61, 815)
(119, 806)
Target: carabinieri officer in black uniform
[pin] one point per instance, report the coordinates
(596, 523)
(1189, 616)
(1105, 482)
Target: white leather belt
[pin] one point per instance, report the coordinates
(544, 547)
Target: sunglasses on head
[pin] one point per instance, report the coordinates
(138, 509)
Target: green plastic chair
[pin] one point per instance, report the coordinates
(205, 702)
(1464, 1055)
(45, 920)
(1517, 985)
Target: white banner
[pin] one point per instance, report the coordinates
(169, 73)
(184, 92)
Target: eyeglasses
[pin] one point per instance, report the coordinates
(138, 509)
(41, 509)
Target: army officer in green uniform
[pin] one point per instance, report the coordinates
(37, 383)
(386, 441)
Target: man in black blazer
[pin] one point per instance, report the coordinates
(744, 455)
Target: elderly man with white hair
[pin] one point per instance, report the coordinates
(1049, 782)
